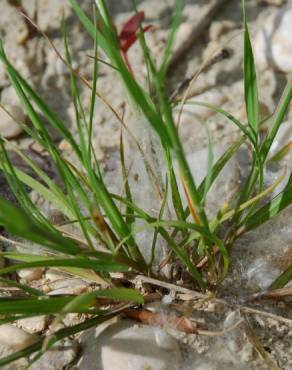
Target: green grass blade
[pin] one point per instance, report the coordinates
(250, 82)
(281, 153)
(130, 219)
(42, 306)
(23, 90)
(96, 265)
(279, 115)
(19, 223)
(208, 179)
(271, 209)
(94, 85)
(245, 130)
(283, 279)
(86, 300)
(40, 189)
(19, 189)
(160, 215)
(220, 163)
(137, 94)
(170, 39)
(65, 305)
(175, 194)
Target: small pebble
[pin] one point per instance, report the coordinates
(56, 216)
(15, 338)
(124, 346)
(37, 147)
(154, 10)
(231, 319)
(8, 127)
(65, 146)
(68, 286)
(35, 324)
(246, 354)
(54, 275)
(273, 42)
(29, 275)
(57, 359)
(165, 341)
(233, 345)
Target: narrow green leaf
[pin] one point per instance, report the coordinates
(130, 219)
(283, 279)
(19, 223)
(279, 115)
(96, 265)
(42, 305)
(250, 82)
(208, 179)
(271, 209)
(170, 40)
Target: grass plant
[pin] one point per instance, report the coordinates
(107, 219)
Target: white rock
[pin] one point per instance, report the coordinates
(212, 96)
(53, 275)
(33, 324)
(8, 127)
(12, 24)
(123, 346)
(13, 32)
(261, 274)
(273, 42)
(29, 275)
(246, 354)
(155, 9)
(50, 12)
(15, 338)
(233, 345)
(164, 340)
(30, 7)
(57, 359)
(68, 286)
(231, 318)
(184, 32)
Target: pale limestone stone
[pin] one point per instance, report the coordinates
(124, 346)
(57, 359)
(15, 338)
(35, 324)
(273, 43)
(50, 12)
(9, 128)
(29, 275)
(68, 286)
(212, 96)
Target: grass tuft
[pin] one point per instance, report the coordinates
(105, 222)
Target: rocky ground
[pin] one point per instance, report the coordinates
(208, 29)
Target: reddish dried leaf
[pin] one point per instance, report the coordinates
(156, 319)
(130, 28)
(128, 34)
